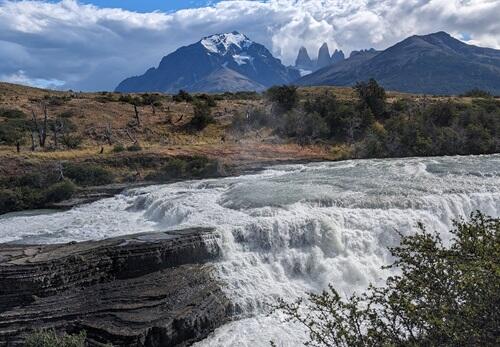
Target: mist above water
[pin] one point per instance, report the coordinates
(288, 229)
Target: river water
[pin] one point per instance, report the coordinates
(289, 229)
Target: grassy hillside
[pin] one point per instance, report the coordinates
(85, 139)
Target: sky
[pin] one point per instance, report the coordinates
(94, 44)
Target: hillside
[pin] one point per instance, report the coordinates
(431, 64)
(52, 143)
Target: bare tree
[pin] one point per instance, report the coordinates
(108, 134)
(137, 118)
(57, 127)
(41, 128)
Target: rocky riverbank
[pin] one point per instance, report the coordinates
(153, 289)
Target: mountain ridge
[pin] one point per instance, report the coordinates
(435, 63)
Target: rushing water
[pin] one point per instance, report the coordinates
(288, 229)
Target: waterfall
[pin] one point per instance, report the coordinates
(290, 229)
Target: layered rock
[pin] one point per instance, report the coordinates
(150, 289)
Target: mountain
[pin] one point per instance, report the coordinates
(221, 62)
(306, 65)
(434, 64)
(324, 58)
(337, 56)
(303, 60)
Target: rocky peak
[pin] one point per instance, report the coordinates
(303, 60)
(227, 42)
(337, 56)
(323, 56)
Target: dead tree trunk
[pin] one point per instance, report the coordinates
(57, 128)
(33, 146)
(108, 134)
(137, 118)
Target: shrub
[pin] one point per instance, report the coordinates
(60, 191)
(13, 130)
(12, 113)
(8, 201)
(49, 338)
(118, 148)
(202, 117)
(71, 141)
(88, 174)
(136, 147)
(283, 97)
(477, 93)
(371, 95)
(443, 294)
(181, 96)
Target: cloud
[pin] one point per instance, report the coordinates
(20, 77)
(92, 48)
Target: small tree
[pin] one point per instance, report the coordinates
(283, 97)
(372, 96)
(443, 295)
(202, 117)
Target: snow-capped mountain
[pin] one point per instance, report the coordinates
(221, 62)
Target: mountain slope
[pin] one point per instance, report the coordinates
(187, 67)
(433, 64)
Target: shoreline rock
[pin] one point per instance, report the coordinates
(150, 289)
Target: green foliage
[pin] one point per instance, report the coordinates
(88, 174)
(49, 338)
(202, 117)
(477, 93)
(208, 99)
(188, 167)
(60, 191)
(118, 148)
(441, 295)
(182, 96)
(371, 96)
(136, 147)
(13, 130)
(283, 97)
(71, 141)
(12, 113)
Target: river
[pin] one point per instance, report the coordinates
(288, 229)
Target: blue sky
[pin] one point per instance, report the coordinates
(149, 5)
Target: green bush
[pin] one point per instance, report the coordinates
(477, 93)
(12, 113)
(118, 148)
(191, 167)
(442, 294)
(49, 338)
(182, 96)
(202, 117)
(8, 201)
(134, 148)
(88, 174)
(71, 141)
(60, 191)
(283, 97)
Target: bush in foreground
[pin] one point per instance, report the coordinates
(443, 295)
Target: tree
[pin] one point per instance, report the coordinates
(442, 295)
(284, 97)
(202, 117)
(372, 96)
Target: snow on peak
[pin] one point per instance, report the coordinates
(220, 43)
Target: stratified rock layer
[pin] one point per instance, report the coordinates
(150, 289)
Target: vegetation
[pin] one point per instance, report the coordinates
(185, 168)
(373, 127)
(88, 174)
(202, 116)
(49, 338)
(441, 295)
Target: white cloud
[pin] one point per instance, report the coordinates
(93, 48)
(20, 77)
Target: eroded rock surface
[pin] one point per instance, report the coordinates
(152, 289)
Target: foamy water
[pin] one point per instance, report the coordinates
(289, 229)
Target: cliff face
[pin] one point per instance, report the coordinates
(141, 290)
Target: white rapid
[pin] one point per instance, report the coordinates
(288, 229)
